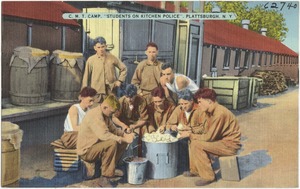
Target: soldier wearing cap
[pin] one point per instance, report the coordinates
(100, 71)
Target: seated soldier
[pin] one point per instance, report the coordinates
(75, 116)
(181, 117)
(216, 132)
(132, 115)
(99, 139)
(159, 110)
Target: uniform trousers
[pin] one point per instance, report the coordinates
(200, 163)
(109, 152)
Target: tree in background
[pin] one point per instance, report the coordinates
(258, 16)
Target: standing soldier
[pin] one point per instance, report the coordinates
(147, 74)
(100, 72)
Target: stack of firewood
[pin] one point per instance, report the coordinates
(273, 81)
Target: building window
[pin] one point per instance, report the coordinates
(227, 58)
(260, 58)
(266, 58)
(271, 59)
(246, 60)
(253, 59)
(213, 58)
(237, 59)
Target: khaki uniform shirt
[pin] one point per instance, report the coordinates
(95, 127)
(159, 118)
(178, 116)
(146, 77)
(100, 71)
(218, 123)
(128, 116)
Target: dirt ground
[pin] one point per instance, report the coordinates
(269, 157)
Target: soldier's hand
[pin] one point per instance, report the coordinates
(173, 128)
(128, 138)
(118, 83)
(162, 81)
(128, 130)
(161, 129)
(183, 134)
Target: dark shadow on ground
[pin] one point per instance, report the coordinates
(247, 110)
(247, 164)
(262, 105)
(61, 179)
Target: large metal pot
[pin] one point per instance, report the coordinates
(162, 159)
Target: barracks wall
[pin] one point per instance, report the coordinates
(245, 62)
(45, 37)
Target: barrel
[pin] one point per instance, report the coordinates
(162, 159)
(28, 76)
(66, 75)
(11, 137)
(136, 169)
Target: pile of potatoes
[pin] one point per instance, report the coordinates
(159, 138)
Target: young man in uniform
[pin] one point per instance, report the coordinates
(98, 139)
(100, 71)
(147, 74)
(216, 132)
(159, 110)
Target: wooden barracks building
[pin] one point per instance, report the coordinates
(228, 50)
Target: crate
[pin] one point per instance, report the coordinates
(66, 160)
(254, 90)
(232, 92)
(229, 168)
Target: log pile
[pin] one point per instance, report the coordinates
(273, 81)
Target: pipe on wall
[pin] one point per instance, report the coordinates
(63, 38)
(29, 34)
(202, 3)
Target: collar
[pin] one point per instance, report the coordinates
(166, 106)
(101, 56)
(154, 63)
(195, 107)
(211, 109)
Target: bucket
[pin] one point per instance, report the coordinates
(136, 169)
(11, 137)
(28, 76)
(66, 72)
(163, 159)
(132, 149)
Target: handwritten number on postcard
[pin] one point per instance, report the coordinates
(280, 5)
